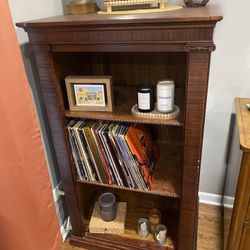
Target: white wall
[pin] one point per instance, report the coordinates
(229, 78)
(25, 10)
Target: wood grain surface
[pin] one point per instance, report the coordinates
(210, 13)
(243, 118)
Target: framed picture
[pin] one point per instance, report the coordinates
(89, 93)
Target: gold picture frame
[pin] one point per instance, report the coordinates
(89, 93)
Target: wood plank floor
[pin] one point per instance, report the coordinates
(209, 230)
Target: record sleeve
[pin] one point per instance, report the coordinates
(86, 129)
(134, 165)
(83, 149)
(103, 152)
(108, 154)
(127, 178)
(82, 175)
(143, 150)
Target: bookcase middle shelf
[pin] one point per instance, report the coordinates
(167, 179)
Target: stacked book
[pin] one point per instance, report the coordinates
(113, 153)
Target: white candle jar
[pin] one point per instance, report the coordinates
(165, 96)
(161, 234)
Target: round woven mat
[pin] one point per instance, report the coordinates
(156, 114)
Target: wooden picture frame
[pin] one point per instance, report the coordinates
(89, 93)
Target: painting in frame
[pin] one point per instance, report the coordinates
(89, 93)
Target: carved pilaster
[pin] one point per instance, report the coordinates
(200, 47)
(48, 86)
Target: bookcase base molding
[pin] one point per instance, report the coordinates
(138, 49)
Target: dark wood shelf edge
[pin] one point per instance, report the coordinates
(211, 13)
(120, 118)
(95, 241)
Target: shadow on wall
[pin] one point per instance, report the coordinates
(229, 150)
(232, 160)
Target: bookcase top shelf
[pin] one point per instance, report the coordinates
(125, 98)
(210, 13)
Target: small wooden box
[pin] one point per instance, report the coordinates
(76, 9)
(117, 226)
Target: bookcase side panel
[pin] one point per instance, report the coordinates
(196, 93)
(49, 93)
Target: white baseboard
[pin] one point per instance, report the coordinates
(210, 199)
(56, 193)
(216, 200)
(64, 230)
(63, 224)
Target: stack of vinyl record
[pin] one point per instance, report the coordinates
(113, 153)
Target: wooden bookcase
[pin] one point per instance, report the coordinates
(134, 50)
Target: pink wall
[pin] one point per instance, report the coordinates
(28, 219)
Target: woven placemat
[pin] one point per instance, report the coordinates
(116, 226)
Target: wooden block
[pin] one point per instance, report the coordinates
(117, 226)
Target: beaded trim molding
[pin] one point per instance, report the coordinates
(156, 114)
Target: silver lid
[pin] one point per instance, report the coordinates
(165, 82)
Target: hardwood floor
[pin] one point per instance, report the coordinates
(209, 229)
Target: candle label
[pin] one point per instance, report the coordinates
(144, 101)
(165, 100)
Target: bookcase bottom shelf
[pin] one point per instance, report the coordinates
(139, 206)
(129, 240)
(118, 242)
